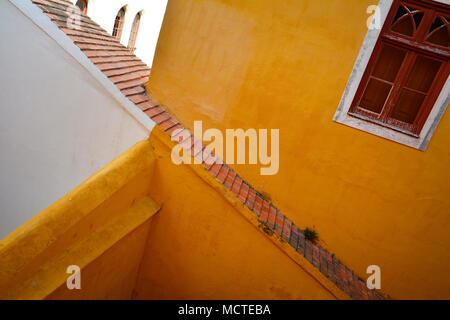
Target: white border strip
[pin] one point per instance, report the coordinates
(35, 14)
(365, 53)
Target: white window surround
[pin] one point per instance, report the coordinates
(342, 116)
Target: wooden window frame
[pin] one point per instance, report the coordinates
(426, 123)
(84, 11)
(119, 23)
(134, 31)
(414, 47)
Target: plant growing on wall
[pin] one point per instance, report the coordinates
(311, 234)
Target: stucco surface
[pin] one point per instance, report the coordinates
(284, 65)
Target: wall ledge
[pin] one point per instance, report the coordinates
(106, 195)
(267, 231)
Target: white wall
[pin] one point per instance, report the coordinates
(58, 124)
(104, 12)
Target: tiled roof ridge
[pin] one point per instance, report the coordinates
(130, 75)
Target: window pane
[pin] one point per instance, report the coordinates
(439, 32)
(418, 18)
(400, 13)
(407, 20)
(118, 24)
(408, 106)
(440, 37)
(436, 24)
(375, 96)
(423, 74)
(404, 26)
(389, 63)
(134, 31)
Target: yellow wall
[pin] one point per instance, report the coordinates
(113, 275)
(200, 247)
(100, 226)
(285, 64)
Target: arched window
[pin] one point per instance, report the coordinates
(82, 4)
(134, 32)
(118, 24)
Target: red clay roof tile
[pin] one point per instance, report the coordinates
(139, 98)
(215, 169)
(170, 131)
(223, 173)
(168, 124)
(132, 83)
(147, 105)
(126, 70)
(133, 91)
(154, 111)
(161, 117)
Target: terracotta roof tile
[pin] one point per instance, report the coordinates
(161, 117)
(223, 173)
(272, 216)
(244, 192)
(83, 40)
(230, 179)
(236, 187)
(147, 105)
(132, 83)
(130, 76)
(77, 35)
(181, 135)
(207, 163)
(122, 59)
(168, 124)
(83, 45)
(154, 112)
(170, 131)
(215, 169)
(106, 53)
(138, 98)
(258, 206)
(133, 91)
(105, 65)
(121, 71)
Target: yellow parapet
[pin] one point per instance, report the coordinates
(107, 216)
